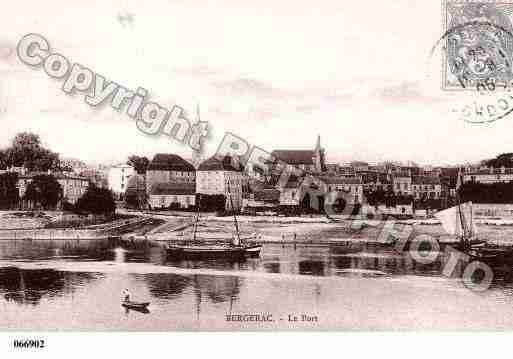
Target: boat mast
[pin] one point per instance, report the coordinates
(462, 221)
(471, 229)
(199, 194)
(197, 217)
(233, 210)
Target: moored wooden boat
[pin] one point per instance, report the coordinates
(207, 251)
(230, 248)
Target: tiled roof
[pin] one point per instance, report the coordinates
(169, 162)
(295, 157)
(173, 189)
(215, 164)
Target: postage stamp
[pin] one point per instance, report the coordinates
(478, 44)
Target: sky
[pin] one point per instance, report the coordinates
(276, 73)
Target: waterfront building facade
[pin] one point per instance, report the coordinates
(221, 176)
(488, 175)
(425, 187)
(172, 196)
(401, 183)
(73, 186)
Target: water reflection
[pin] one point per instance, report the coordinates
(217, 289)
(167, 286)
(30, 286)
(199, 294)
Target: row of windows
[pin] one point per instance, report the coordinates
(404, 185)
(174, 199)
(430, 194)
(426, 187)
(182, 174)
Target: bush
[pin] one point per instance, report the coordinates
(174, 206)
(96, 201)
(211, 202)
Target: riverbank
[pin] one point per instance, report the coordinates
(98, 232)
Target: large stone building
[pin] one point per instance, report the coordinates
(401, 183)
(426, 187)
(169, 168)
(73, 187)
(221, 176)
(307, 160)
(352, 187)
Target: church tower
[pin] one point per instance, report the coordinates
(319, 156)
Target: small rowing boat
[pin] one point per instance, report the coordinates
(135, 305)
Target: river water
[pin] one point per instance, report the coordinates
(77, 285)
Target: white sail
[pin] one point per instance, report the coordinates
(452, 222)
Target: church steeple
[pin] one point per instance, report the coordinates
(319, 160)
(318, 144)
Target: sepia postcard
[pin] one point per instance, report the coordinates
(175, 166)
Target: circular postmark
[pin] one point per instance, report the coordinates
(477, 57)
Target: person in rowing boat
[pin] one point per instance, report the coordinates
(235, 241)
(126, 294)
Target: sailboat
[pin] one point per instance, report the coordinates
(231, 248)
(459, 221)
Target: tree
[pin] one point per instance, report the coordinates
(26, 150)
(9, 194)
(502, 160)
(44, 190)
(140, 164)
(96, 201)
(487, 193)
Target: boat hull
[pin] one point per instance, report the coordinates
(213, 252)
(493, 256)
(135, 305)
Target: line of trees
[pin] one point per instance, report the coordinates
(487, 193)
(44, 190)
(9, 194)
(502, 160)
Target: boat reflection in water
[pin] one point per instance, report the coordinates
(99, 250)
